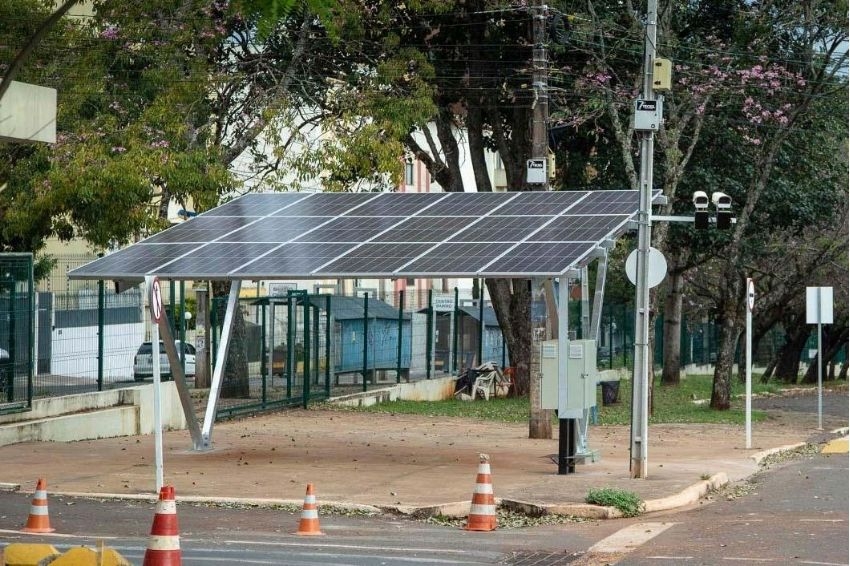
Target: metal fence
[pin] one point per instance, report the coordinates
(17, 331)
(297, 346)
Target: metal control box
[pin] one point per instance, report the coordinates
(647, 115)
(580, 379)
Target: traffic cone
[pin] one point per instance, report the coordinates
(164, 543)
(309, 523)
(38, 520)
(482, 512)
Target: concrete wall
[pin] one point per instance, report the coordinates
(422, 390)
(120, 412)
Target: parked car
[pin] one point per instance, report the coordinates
(143, 361)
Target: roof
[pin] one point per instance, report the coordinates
(380, 235)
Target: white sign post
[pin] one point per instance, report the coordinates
(819, 311)
(156, 314)
(751, 301)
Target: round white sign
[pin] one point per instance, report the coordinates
(156, 300)
(751, 294)
(657, 267)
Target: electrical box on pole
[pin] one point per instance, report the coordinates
(647, 115)
(581, 377)
(535, 170)
(662, 75)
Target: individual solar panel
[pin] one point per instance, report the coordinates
(212, 260)
(275, 229)
(496, 229)
(294, 259)
(350, 229)
(425, 229)
(543, 203)
(137, 260)
(465, 204)
(257, 204)
(201, 230)
(456, 258)
(539, 257)
(395, 204)
(327, 204)
(608, 202)
(578, 228)
(374, 259)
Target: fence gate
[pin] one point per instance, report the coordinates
(17, 331)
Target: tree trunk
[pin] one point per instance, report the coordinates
(788, 364)
(721, 391)
(831, 347)
(235, 384)
(512, 303)
(673, 331)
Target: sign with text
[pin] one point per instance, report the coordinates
(443, 303)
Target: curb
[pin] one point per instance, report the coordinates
(265, 503)
(759, 456)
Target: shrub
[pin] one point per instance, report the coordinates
(629, 504)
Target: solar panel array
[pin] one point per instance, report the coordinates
(344, 235)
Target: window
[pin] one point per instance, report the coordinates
(408, 173)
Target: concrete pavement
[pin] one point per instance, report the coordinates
(410, 464)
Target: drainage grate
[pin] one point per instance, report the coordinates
(540, 558)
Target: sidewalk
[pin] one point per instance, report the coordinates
(403, 462)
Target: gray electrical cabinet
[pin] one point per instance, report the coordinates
(581, 377)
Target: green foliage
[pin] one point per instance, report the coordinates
(629, 504)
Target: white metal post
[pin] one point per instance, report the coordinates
(221, 358)
(749, 361)
(820, 360)
(157, 380)
(641, 375)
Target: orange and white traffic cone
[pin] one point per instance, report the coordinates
(38, 520)
(164, 543)
(482, 512)
(309, 523)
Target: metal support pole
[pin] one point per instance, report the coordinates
(400, 335)
(748, 420)
(264, 351)
(305, 389)
(101, 299)
(183, 325)
(598, 299)
(221, 358)
(328, 327)
(455, 332)
(642, 375)
(365, 338)
(585, 305)
(566, 438)
(481, 325)
(429, 338)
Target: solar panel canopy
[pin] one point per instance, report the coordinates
(379, 235)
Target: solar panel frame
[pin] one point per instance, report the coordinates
(338, 235)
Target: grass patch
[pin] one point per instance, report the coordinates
(671, 404)
(629, 504)
(513, 410)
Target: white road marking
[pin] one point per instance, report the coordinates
(823, 520)
(629, 538)
(822, 563)
(313, 544)
(733, 559)
(671, 557)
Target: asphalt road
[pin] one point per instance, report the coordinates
(796, 513)
(214, 535)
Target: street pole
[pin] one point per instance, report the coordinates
(540, 81)
(641, 376)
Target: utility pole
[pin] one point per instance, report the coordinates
(540, 420)
(642, 372)
(540, 82)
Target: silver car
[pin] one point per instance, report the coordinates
(143, 361)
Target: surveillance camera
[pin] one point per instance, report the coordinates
(700, 200)
(721, 200)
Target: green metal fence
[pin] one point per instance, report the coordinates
(17, 331)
